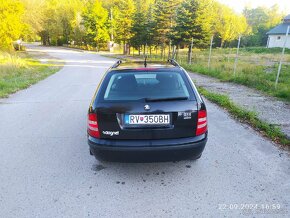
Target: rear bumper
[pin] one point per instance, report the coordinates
(166, 149)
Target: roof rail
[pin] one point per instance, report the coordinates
(173, 62)
(115, 65)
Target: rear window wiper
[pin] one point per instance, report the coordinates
(166, 99)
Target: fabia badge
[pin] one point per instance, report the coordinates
(146, 107)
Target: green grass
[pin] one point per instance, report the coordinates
(255, 76)
(256, 68)
(19, 71)
(272, 132)
(260, 50)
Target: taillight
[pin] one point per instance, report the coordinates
(201, 122)
(93, 128)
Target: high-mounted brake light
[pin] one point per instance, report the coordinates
(201, 122)
(93, 128)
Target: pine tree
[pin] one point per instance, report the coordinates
(142, 28)
(150, 26)
(193, 23)
(139, 27)
(164, 17)
(123, 12)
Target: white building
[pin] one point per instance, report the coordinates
(276, 36)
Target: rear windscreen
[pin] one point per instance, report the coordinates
(143, 85)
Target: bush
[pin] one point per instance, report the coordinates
(18, 47)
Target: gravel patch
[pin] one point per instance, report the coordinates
(268, 108)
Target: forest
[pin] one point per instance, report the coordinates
(133, 23)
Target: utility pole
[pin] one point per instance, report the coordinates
(190, 54)
(173, 52)
(169, 51)
(282, 57)
(237, 55)
(210, 49)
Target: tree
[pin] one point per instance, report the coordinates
(150, 26)
(139, 32)
(261, 20)
(187, 28)
(164, 18)
(123, 17)
(142, 28)
(95, 21)
(193, 23)
(69, 14)
(59, 17)
(11, 25)
(229, 25)
(33, 18)
(136, 23)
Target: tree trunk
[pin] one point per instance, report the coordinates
(222, 43)
(144, 50)
(124, 48)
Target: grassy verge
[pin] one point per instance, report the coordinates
(245, 116)
(257, 77)
(19, 71)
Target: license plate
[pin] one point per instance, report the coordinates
(147, 119)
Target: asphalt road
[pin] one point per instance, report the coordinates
(46, 169)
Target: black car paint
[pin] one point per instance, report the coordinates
(143, 140)
(111, 111)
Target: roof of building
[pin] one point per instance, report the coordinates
(282, 28)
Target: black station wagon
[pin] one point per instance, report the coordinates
(147, 110)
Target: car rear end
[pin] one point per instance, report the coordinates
(147, 113)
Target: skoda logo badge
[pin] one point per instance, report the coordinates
(147, 107)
